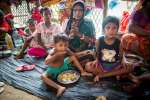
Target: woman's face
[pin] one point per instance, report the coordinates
(110, 30)
(78, 12)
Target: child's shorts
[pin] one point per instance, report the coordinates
(55, 71)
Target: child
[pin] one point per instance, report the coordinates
(108, 62)
(58, 63)
(31, 41)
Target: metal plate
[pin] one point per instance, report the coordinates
(132, 58)
(68, 77)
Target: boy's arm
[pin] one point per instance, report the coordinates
(117, 72)
(53, 56)
(70, 53)
(50, 58)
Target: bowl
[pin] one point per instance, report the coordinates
(68, 77)
(132, 58)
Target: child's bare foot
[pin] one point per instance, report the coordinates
(86, 74)
(96, 78)
(60, 91)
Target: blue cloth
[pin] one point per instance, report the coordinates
(110, 66)
(31, 82)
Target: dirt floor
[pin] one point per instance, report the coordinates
(11, 93)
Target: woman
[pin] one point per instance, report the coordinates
(80, 30)
(138, 41)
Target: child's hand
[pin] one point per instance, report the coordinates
(96, 78)
(86, 73)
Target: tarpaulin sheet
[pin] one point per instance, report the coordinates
(30, 81)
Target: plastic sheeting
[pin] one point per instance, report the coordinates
(30, 81)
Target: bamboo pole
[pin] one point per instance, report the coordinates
(105, 8)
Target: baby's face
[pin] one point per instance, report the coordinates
(111, 30)
(61, 46)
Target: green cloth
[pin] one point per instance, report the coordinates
(86, 27)
(27, 32)
(55, 71)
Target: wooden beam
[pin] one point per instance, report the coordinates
(105, 8)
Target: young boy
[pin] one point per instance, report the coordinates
(58, 63)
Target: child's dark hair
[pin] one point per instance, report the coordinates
(60, 37)
(30, 21)
(110, 19)
(44, 9)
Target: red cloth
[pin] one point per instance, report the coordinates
(36, 15)
(124, 21)
(132, 42)
(6, 25)
(9, 16)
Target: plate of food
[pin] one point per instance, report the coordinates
(132, 58)
(68, 77)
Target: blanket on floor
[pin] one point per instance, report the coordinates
(30, 81)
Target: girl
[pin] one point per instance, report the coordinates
(108, 62)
